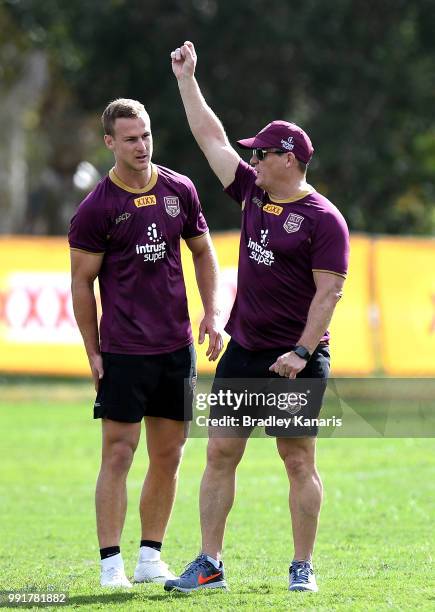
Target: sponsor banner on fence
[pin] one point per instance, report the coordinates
(38, 333)
(405, 292)
(353, 326)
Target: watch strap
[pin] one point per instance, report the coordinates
(302, 352)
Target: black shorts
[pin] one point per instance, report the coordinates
(239, 364)
(135, 386)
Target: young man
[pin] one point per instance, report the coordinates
(127, 233)
(292, 264)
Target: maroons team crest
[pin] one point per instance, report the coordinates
(293, 223)
(172, 205)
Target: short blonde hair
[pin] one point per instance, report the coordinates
(121, 107)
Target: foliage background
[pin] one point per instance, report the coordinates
(358, 75)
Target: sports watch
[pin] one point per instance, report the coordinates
(302, 352)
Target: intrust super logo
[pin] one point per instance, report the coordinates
(149, 200)
(157, 249)
(258, 252)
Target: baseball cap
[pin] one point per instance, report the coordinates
(281, 135)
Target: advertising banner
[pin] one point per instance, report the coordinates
(388, 306)
(405, 292)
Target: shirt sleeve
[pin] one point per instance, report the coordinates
(195, 224)
(243, 184)
(90, 226)
(330, 244)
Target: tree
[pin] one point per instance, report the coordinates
(359, 76)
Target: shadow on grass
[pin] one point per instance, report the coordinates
(113, 598)
(122, 598)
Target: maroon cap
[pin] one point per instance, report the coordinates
(281, 135)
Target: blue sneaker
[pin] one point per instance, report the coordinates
(200, 574)
(302, 577)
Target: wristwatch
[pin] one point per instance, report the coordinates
(302, 352)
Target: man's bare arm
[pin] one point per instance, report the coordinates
(206, 128)
(207, 272)
(84, 271)
(329, 288)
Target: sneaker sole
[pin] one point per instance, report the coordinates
(302, 588)
(157, 580)
(212, 585)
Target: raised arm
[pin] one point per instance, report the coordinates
(84, 271)
(206, 128)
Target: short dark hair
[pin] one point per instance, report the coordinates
(121, 107)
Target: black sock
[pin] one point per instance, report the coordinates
(110, 551)
(151, 544)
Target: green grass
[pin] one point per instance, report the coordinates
(374, 546)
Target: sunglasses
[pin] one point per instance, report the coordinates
(260, 154)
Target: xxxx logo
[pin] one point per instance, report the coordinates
(273, 209)
(149, 200)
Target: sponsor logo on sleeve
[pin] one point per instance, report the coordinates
(172, 205)
(273, 209)
(148, 200)
(293, 223)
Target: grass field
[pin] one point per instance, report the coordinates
(374, 550)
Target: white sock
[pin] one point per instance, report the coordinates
(214, 562)
(113, 561)
(148, 554)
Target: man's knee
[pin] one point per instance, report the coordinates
(118, 456)
(299, 467)
(120, 441)
(299, 462)
(167, 458)
(223, 454)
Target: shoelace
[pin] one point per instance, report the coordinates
(199, 563)
(301, 572)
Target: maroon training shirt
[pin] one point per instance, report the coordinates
(141, 280)
(281, 243)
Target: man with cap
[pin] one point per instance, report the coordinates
(292, 264)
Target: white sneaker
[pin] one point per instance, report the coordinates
(114, 577)
(302, 577)
(153, 571)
